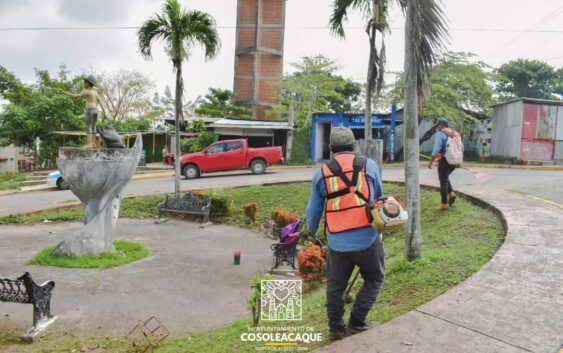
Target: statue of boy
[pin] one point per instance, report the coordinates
(92, 98)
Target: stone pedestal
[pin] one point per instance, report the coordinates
(96, 176)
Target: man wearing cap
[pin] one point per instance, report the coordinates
(346, 186)
(447, 193)
(92, 98)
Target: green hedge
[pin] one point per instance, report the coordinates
(221, 205)
(300, 151)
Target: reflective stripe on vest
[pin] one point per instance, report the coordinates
(346, 206)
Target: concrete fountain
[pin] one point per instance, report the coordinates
(97, 176)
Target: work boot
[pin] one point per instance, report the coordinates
(356, 326)
(354, 330)
(451, 198)
(337, 334)
(443, 207)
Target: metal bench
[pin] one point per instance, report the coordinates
(188, 204)
(24, 291)
(285, 252)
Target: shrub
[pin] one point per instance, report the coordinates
(254, 299)
(282, 218)
(312, 264)
(301, 142)
(198, 143)
(221, 205)
(250, 210)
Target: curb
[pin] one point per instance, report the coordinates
(465, 317)
(514, 166)
(52, 188)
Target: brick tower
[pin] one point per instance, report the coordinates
(259, 53)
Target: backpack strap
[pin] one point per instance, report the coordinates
(359, 165)
(449, 132)
(336, 169)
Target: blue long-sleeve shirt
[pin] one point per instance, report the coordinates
(440, 141)
(353, 240)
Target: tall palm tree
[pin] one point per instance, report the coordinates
(376, 11)
(180, 31)
(425, 33)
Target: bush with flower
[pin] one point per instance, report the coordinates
(282, 218)
(250, 210)
(312, 263)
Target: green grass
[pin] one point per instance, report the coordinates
(455, 244)
(138, 207)
(125, 252)
(10, 181)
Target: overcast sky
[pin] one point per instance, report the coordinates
(496, 30)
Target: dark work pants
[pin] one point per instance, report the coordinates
(371, 262)
(444, 171)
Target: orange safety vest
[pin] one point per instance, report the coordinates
(348, 193)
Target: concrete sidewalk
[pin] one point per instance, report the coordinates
(513, 304)
(188, 267)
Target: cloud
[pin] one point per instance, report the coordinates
(96, 12)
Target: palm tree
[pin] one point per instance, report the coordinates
(180, 31)
(376, 11)
(425, 33)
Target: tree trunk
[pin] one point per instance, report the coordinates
(291, 123)
(372, 72)
(370, 84)
(372, 149)
(411, 144)
(179, 119)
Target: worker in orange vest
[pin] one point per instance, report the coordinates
(347, 185)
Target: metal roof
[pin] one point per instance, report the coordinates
(128, 134)
(251, 124)
(531, 100)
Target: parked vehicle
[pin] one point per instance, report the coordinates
(229, 155)
(56, 179)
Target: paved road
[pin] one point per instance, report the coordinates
(539, 183)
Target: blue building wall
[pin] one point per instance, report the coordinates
(352, 121)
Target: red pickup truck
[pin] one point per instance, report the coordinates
(229, 155)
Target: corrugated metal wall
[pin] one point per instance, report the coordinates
(507, 129)
(538, 132)
(558, 154)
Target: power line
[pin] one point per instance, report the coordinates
(544, 20)
(521, 31)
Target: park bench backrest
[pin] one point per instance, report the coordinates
(13, 291)
(188, 201)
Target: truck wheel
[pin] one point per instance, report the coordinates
(61, 184)
(191, 171)
(258, 167)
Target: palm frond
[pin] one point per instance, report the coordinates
(428, 36)
(382, 60)
(340, 13)
(180, 30)
(201, 30)
(338, 17)
(152, 29)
